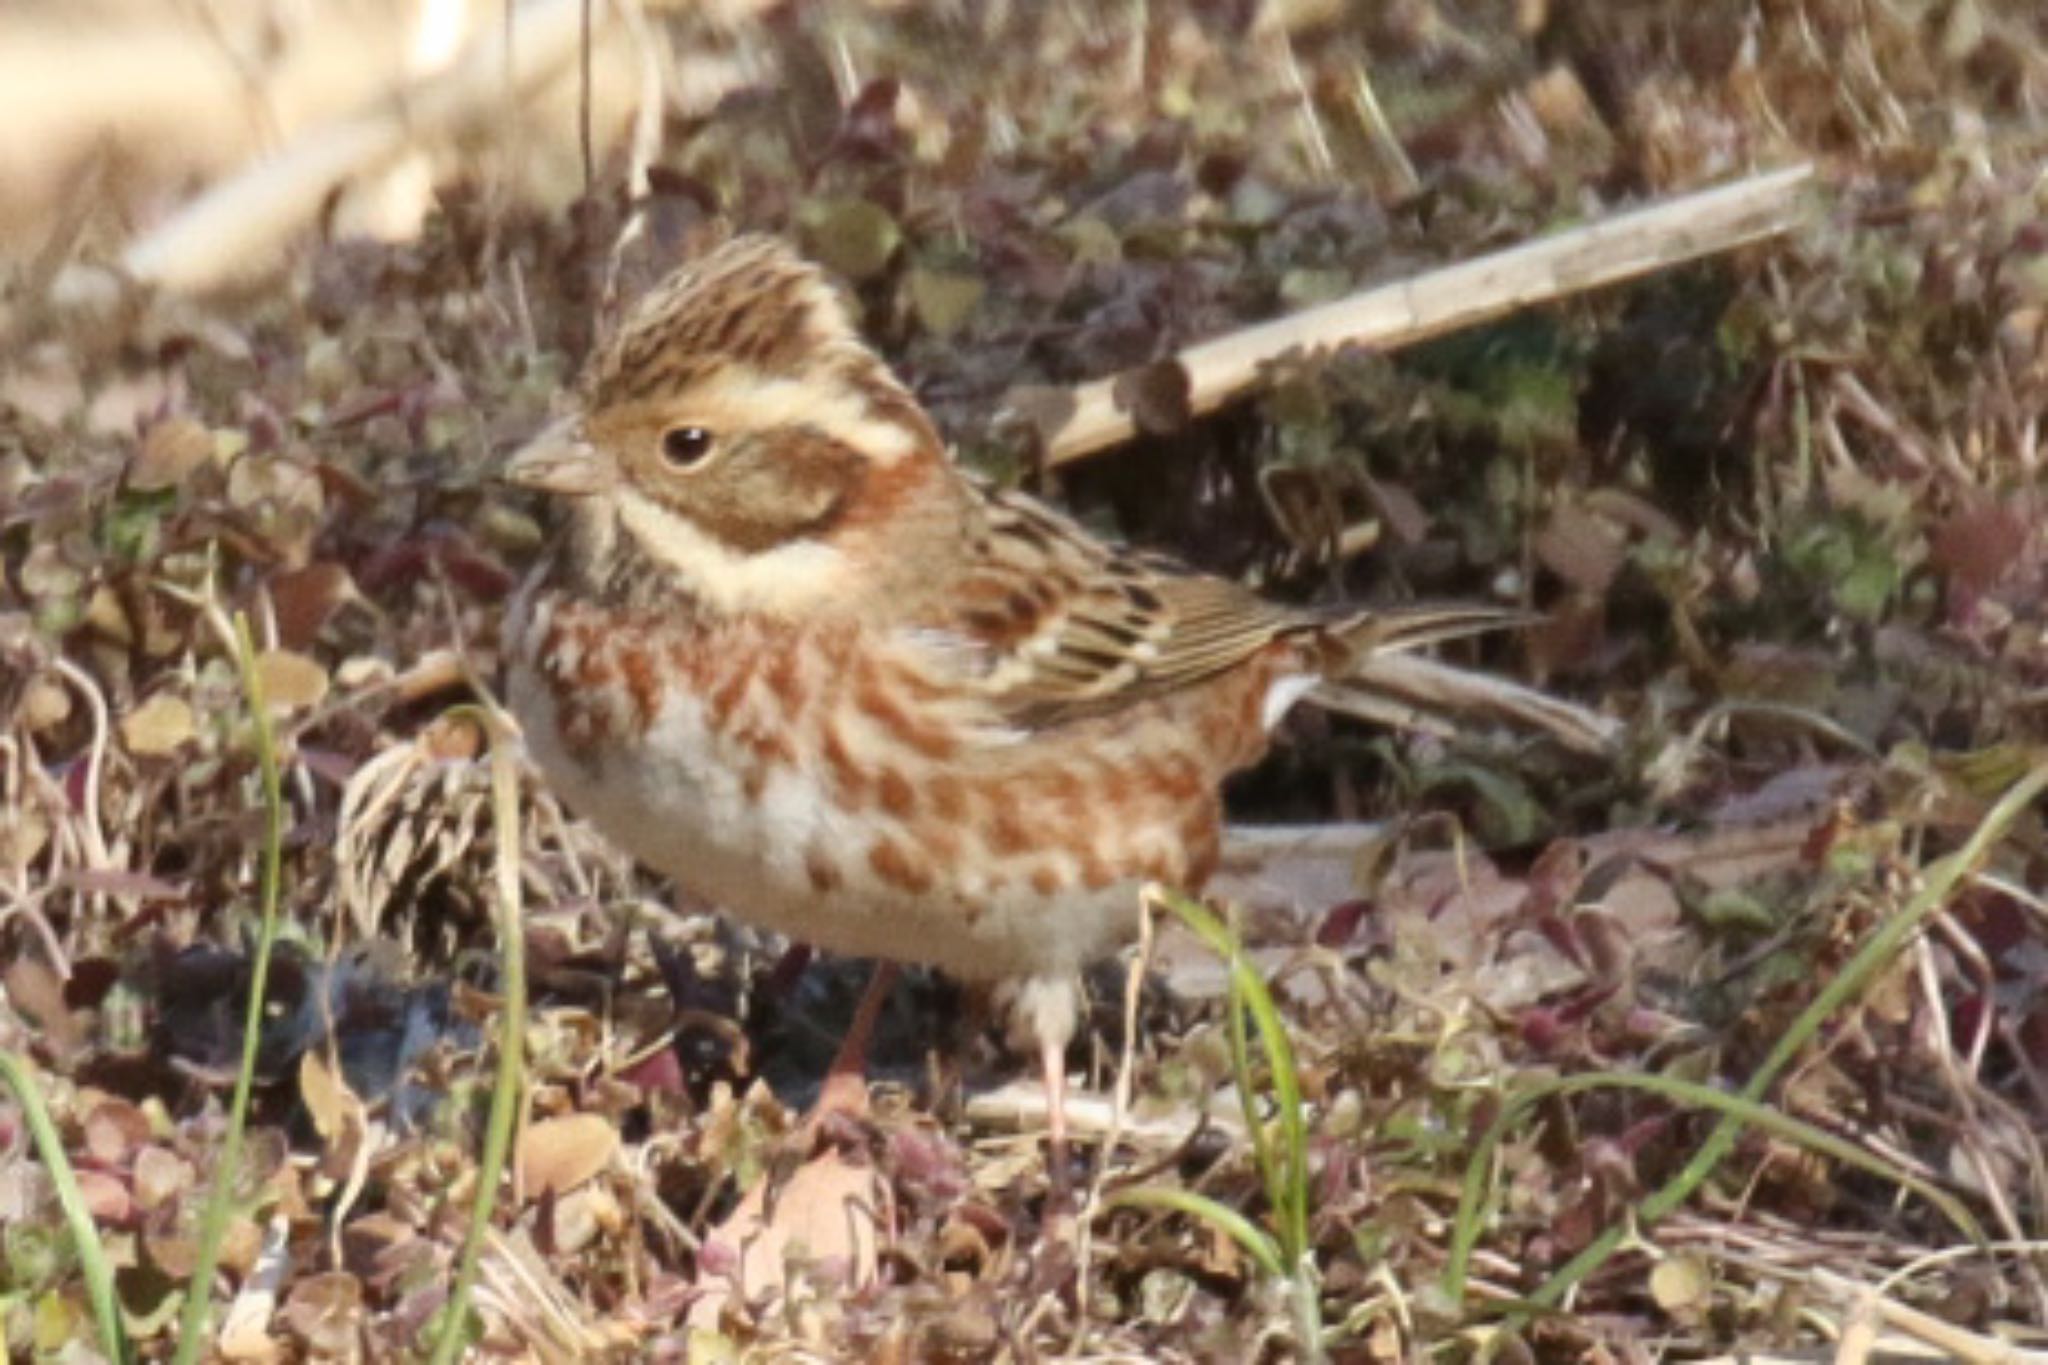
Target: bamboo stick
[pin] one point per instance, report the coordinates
(1626, 245)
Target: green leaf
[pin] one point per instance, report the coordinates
(943, 299)
(1257, 1243)
(850, 237)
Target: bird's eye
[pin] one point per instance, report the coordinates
(685, 446)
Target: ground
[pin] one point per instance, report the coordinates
(1734, 1038)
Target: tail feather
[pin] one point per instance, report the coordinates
(1385, 681)
(1399, 629)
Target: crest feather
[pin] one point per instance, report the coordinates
(751, 302)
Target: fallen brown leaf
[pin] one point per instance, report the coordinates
(558, 1154)
(828, 1211)
(158, 726)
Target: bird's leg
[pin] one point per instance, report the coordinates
(846, 1083)
(1052, 1058)
(1041, 1014)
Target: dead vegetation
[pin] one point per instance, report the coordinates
(1735, 1041)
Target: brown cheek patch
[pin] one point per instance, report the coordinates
(782, 485)
(887, 488)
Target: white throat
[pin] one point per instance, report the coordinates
(794, 577)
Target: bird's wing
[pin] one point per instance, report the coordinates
(1051, 624)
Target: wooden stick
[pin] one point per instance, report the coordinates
(1407, 311)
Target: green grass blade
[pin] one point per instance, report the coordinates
(1471, 1212)
(1236, 1013)
(1283, 1170)
(85, 1234)
(1287, 1169)
(1875, 953)
(1257, 1243)
(511, 1037)
(193, 1323)
(1292, 1172)
(1283, 1164)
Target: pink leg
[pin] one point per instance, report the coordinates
(1052, 1057)
(846, 1084)
(1040, 1013)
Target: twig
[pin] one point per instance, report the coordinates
(1408, 311)
(1957, 1342)
(95, 757)
(583, 46)
(645, 145)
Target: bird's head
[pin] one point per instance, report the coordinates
(736, 433)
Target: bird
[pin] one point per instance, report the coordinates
(784, 650)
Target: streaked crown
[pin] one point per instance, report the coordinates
(751, 302)
(749, 317)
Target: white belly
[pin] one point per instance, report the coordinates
(678, 801)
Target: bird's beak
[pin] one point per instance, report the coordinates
(559, 460)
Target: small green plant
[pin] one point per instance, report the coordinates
(1746, 1107)
(453, 1333)
(1283, 1251)
(193, 1324)
(85, 1238)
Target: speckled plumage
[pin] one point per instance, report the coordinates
(818, 675)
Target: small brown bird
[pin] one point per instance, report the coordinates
(788, 654)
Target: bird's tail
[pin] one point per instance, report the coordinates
(1382, 630)
(1385, 681)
